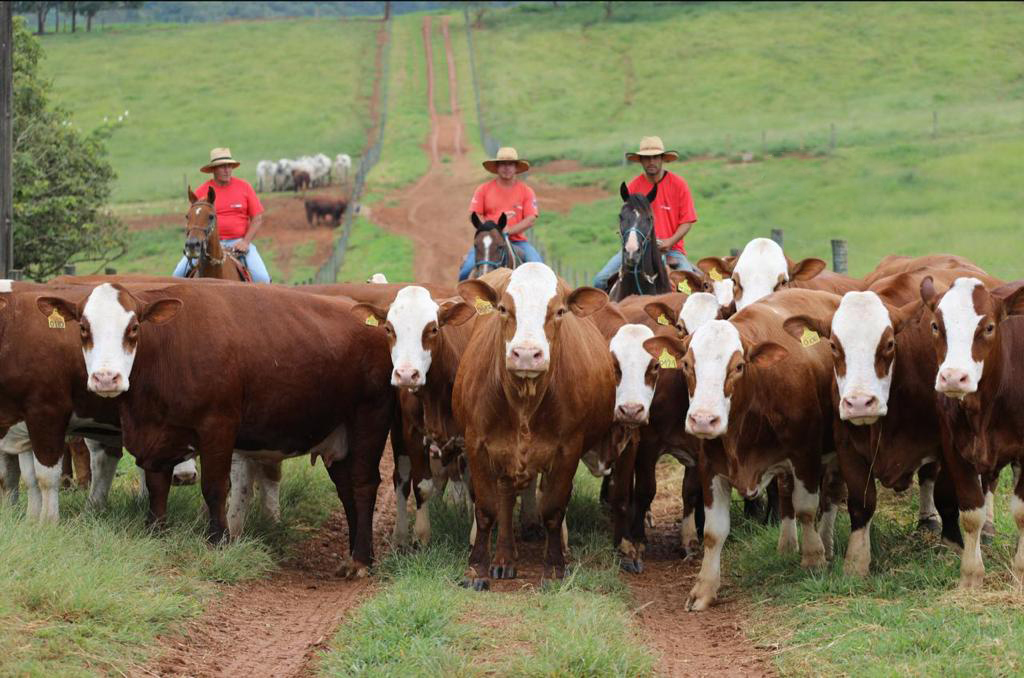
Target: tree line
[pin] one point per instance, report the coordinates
(89, 10)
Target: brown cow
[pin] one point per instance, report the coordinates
(978, 338)
(760, 400)
(316, 379)
(322, 208)
(534, 390)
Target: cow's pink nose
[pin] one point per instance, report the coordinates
(104, 381)
(703, 422)
(407, 376)
(527, 358)
(953, 379)
(629, 412)
(860, 403)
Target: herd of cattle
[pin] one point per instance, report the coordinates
(305, 172)
(758, 371)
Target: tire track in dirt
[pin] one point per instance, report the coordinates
(691, 644)
(273, 627)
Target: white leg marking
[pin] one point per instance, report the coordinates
(240, 495)
(805, 503)
(421, 528)
(788, 542)
(400, 536)
(472, 531)
(26, 461)
(103, 467)
(270, 490)
(827, 530)
(143, 488)
(858, 553)
(565, 538)
(1017, 510)
(48, 479)
(927, 503)
(972, 567)
(716, 530)
(688, 539)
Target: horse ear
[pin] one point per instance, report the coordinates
(475, 220)
(211, 196)
(624, 192)
(502, 221)
(192, 197)
(653, 194)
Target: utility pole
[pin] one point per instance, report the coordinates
(6, 138)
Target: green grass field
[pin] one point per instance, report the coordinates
(266, 89)
(771, 79)
(91, 594)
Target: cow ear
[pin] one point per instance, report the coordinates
(805, 269)
(161, 311)
(659, 345)
(653, 194)
(661, 313)
(474, 291)
(1014, 304)
(211, 195)
(192, 197)
(454, 313)
(798, 325)
(502, 221)
(475, 220)
(686, 282)
(368, 314)
(67, 310)
(766, 354)
(928, 295)
(709, 264)
(584, 301)
(905, 315)
(624, 192)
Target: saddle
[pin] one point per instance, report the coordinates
(229, 259)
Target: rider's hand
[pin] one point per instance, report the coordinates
(241, 246)
(663, 245)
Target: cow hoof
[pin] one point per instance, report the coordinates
(690, 552)
(814, 560)
(183, 480)
(972, 580)
(988, 532)
(929, 524)
(475, 584)
(632, 565)
(532, 532)
(503, 571)
(949, 543)
(649, 520)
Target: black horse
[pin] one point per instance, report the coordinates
(643, 269)
(491, 246)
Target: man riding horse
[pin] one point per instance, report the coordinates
(506, 195)
(674, 214)
(239, 214)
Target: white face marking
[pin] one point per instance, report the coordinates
(198, 211)
(723, 290)
(531, 287)
(713, 346)
(632, 243)
(5, 285)
(488, 241)
(961, 321)
(409, 315)
(108, 359)
(758, 270)
(697, 310)
(628, 348)
(857, 327)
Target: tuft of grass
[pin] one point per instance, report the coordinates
(92, 593)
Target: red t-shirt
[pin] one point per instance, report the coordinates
(672, 206)
(235, 203)
(517, 203)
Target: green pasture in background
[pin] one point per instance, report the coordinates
(267, 90)
(926, 102)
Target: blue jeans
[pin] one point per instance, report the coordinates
(528, 250)
(253, 261)
(674, 259)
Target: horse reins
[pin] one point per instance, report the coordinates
(203, 252)
(497, 264)
(645, 243)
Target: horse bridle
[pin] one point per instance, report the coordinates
(203, 252)
(505, 249)
(645, 242)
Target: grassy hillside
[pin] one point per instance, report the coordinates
(926, 102)
(265, 89)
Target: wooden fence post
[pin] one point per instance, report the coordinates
(839, 260)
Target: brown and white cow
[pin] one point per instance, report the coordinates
(760, 401)
(241, 366)
(978, 338)
(690, 282)
(534, 390)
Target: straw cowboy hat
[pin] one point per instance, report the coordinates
(506, 154)
(652, 146)
(219, 156)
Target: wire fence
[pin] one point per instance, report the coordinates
(328, 273)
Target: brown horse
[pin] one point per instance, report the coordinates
(491, 246)
(202, 243)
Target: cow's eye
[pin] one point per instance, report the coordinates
(990, 329)
(388, 330)
(935, 327)
(739, 368)
(890, 346)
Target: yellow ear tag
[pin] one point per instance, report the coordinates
(372, 321)
(715, 275)
(55, 321)
(684, 287)
(662, 320)
(483, 307)
(809, 338)
(666, 360)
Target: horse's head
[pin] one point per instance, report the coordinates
(200, 222)
(636, 224)
(489, 244)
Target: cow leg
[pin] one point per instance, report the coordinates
(268, 480)
(693, 503)
(831, 496)
(80, 460)
(35, 499)
(403, 487)
(716, 531)
(421, 525)
(927, 515)
(216, 458)
(861, 504)
(366, 443)
(529, 519)
(553, 503)
(971, 500)
(1017, 510)
(485, 492)
(103, 462)
(946, 505)
(805, 503)
(503, 563)
(788, 542)
(989, 482)
(644, 486)
(10, 477)
(240, 495)
(48, 480)
(158, 487)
